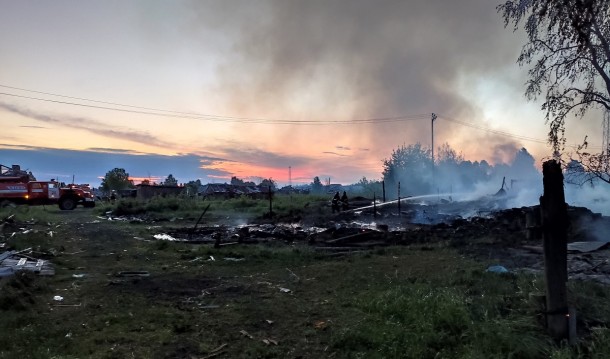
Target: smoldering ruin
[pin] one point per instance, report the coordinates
(483, 228)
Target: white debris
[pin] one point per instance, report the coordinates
(165, 237)
(58, 298)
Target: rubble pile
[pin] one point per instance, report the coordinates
(509, 237)
(13, 261)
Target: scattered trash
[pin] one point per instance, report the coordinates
(13, 261)
(69, 335)
(215, 352)
(320, 324)
(246, 334)
(497, 269)
(294, 276)
(231, 259)
(269, 321)
(285, 290)
(212, 258)
(270, 341)
(58, 298)
(165, 237)
(586, 247)
(78, 275)
(133, 274)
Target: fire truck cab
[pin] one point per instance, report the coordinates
(19, 187)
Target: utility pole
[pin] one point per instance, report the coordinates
(432, 145)
(290, 182)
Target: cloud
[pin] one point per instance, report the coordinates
(113, 150)
(89, 166)
(247, 154)
(24, 126)
(334, 153)
(89, 125)
(343, 148)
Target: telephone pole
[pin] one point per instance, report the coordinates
(432, 145)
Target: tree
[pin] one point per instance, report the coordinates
(268, 184)
(411, 166)
(569, 44)
(448, 156)
(523, 165)
(239, 182)
(316, 185)
(236, 181)
(371, 187)
(592, 166)
(116, 179)
(569, 47)
(192, 187)
(170, 181)
(145, 182)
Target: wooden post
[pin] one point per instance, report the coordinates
(399, 198)
(270, 203)
(374, 206)
(383, 189)
(554, 216)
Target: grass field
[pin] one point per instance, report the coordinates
(277, 300)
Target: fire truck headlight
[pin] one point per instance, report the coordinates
(27, 196)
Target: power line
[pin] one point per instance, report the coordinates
(206, 117)
(220, 118)
(502, 133)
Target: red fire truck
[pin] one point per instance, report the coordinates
(20, 187)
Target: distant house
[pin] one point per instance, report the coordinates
(215, 190)
(146, 191)
(224, 190)
(333, 188)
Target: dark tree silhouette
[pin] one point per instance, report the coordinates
(568, 50)
(116, 179)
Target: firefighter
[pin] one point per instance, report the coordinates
(335, 203)
(344, 202)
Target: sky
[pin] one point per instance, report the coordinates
(259, 88)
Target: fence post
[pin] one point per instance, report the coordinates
(374, 206)
(399, 198)
(383, 189)
(554, 215)
(270, 203)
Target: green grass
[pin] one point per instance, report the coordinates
(399, 302)
(239, 208)
(26, 213)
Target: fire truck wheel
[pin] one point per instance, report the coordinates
(67, 203)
